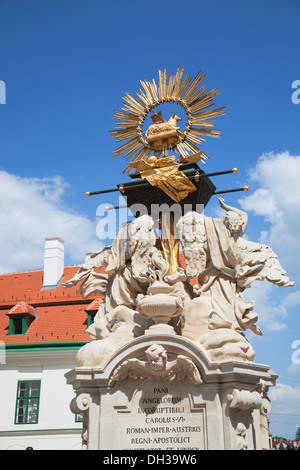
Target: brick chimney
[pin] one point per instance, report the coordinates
(53, 262)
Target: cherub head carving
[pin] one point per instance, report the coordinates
(157, 357)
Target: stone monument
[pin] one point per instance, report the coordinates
(169, 366)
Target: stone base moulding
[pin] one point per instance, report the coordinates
(162, 392)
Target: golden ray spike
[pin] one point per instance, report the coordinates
(122, 131)
(205, 156)
(123, 148)
(136, 104)
(197, 94)
(173, 85)
(124, 125)
(205, 124)
(160, 81)
(192, 92)
(130, 105)
(181, 149)
(207, 132)
(164, 83)
(131, 153)
(160, 84)
(148, 94)
(143, 97)
(210, 95)
(199, 117)
(202, 131)
(142, 154)
(179, 75)
(192, 87)
(131, 110)
(126, 116)
(155, 92)
(128, 170)
(184, 86)
(201, 105)
(170, 85)
(194, 138)
(204, 101)
(211, 113)
(122, 134)
(151, 91)
(190, 146)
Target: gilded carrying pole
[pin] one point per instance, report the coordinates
(130, 186)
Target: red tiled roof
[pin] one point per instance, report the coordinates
(60, 314)
(57, 323)
(28, 287)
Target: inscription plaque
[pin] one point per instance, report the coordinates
(161, 415)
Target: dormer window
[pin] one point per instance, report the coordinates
(20, 317)
(91, 310)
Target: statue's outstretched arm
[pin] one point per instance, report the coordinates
(96, 261)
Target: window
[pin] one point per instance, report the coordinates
(27, 407)
(79, 418)
(90, 317)
(18, 324)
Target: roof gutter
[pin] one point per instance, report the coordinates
(45, 346)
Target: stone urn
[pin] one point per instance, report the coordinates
(160, 305)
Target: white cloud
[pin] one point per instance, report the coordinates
(285, 394)
(293, 369)
(272, 314)
(33, 209)
(284, 413)
(292, 299)
(276, 199)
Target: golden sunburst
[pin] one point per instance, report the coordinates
(175, 89)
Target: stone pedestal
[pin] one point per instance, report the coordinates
(174, 401)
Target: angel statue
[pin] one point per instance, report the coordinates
(126, 263)
(157, 367)
(225, 265)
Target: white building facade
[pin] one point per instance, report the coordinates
(42, 326)
(35, 400)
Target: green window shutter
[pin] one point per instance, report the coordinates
(90, 318)
(19, 324)
(27, 405)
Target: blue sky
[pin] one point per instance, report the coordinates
(66, 65)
